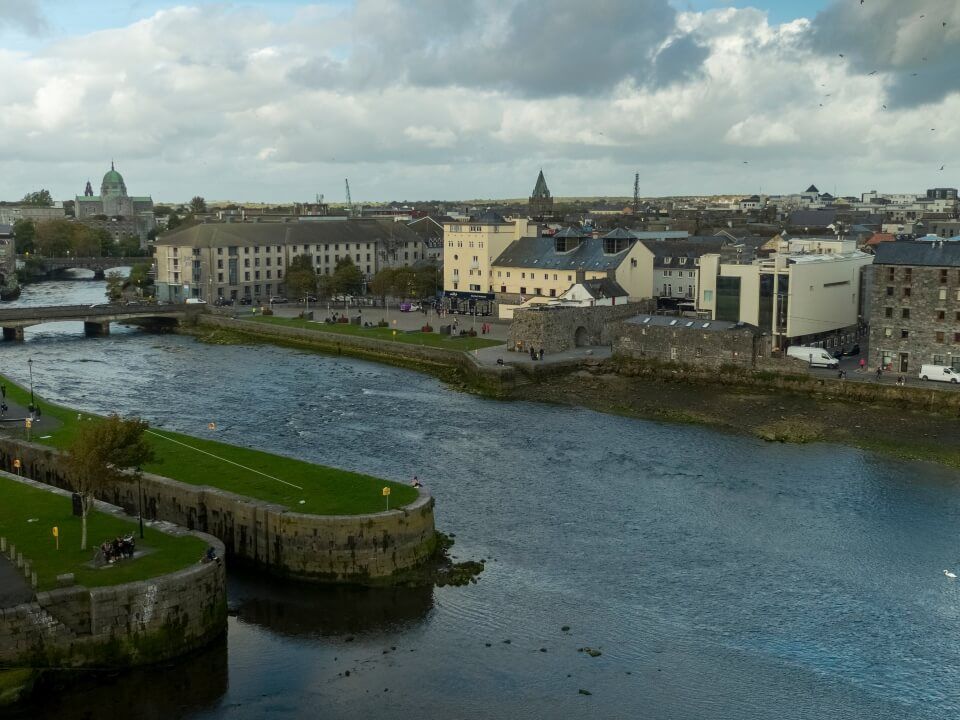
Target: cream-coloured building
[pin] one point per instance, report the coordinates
(798, 298)
(470, 246)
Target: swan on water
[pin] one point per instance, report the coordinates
(950, 574)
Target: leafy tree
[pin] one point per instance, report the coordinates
(347, 278)
(174, 221)
(105, 242)
(129, 246)
(54, 238)
(427, 281)
(103, 452)
(382, 284)
(40, 198)
(300, 277)
(140, 278)
(84, 241)
(198, 205)
(24, 233)
(324, 286)
(115, 283)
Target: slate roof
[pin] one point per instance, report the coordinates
(812, 189)
(812, 218)
(305, 233)
(604, 288)
(539, 252)
(669, 253)
(6, 230)
(923, 254)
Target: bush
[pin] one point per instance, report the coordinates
(426, 328)
(267, 311)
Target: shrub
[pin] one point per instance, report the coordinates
(426, 328)
(267, 311)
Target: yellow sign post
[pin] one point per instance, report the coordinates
(386, 494)
(28, 422)
(56, 536)
(17, 465)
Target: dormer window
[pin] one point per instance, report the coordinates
(683, 261)
(667, 260)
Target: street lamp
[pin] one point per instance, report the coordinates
(30, 365)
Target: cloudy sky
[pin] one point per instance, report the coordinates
(278, 100)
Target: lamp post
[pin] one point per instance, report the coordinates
(140, 500)
(30, 365)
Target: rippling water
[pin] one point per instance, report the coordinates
(721, 577)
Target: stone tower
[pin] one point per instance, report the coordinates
(541, 201)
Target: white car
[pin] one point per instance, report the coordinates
(939, 372)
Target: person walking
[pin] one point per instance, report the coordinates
(541, 353)
(879, 372)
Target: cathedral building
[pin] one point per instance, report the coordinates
(114, 209)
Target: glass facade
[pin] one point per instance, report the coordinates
(728, 298)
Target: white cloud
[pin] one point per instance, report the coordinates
(283, 110)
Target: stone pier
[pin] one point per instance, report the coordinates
(96, 329)
(13, 333)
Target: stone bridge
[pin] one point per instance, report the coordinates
(99, 265)
(96, 319)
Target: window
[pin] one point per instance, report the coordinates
(553, 293)
(523, 291)
(523, 276)
(219, 264)
(890, 274)
(268, 274)
(708, 296)
(256, 274)
(683, 261)
(905, 313)
(503, 288)
(476, 228)
(538, 291)
(268, 262)
(906, 292)
(943, 293)
(956, 337)
(220, 251)
(666, 260)
(940, 337)
(941, 314)
(888, 312)
(508, 273)
(943, 277)
(475, 288)
(938, 360)
(219, 277)
(904, 334)
(546, 276)
(246, 262)
(889, 290)
(908, 274)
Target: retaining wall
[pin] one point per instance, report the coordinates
(132, 624)
(364, 549)
(496, 380)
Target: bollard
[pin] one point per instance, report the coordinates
(3, 544)
(33, 580)
(26, 569)
(19, 560)
(13, 552)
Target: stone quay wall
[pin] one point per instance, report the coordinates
(743, 347)
(136, 623)
(361, 549)
(495, 380)
(556, 329)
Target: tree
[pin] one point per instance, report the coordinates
(300, 277)
(115, 283)
(24, 234)
(104, 452)
(140, 278)
(347, 278)
(173, 221)
(54, 238)
(40, 198)
(129, 246)
(382, 284)
(198, 205)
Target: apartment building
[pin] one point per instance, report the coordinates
(470, 246)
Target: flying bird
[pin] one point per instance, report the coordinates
(941, 168)
(841, 54)
(884, 107)
(872, 73)
(746, 162)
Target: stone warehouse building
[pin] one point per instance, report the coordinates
(114, 209)
(8, 263)
(915, 305)
(709, 343)
(238, 260)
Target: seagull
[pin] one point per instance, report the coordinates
(841, 54)
(932, 129)
(942, 166)
(746, 162)
(949, 574)
(884, 107)
(873, 73)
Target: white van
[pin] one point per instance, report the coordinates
(195, 301)
(939, 372)
(817, 357)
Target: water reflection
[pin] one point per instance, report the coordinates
(159, 692)
(299, 610)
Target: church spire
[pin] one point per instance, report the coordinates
(111, 165)
(540, 190)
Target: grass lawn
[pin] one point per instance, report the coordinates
(325, 490)
(436, 340)
(35, 540)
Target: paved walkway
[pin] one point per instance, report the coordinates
(14, 590)
(489, 356)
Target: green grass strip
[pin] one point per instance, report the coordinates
(446, 342)
(264, 476)
(28, 516)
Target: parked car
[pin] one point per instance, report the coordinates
(308, 298)
(940, 373)
(278, 299)
(195, 301)
(410, 307)
(245, 300)
(223, 302)
(816, 357)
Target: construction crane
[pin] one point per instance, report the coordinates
(636, 194)
(349, 200)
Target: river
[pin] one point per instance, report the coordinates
(720, 576)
